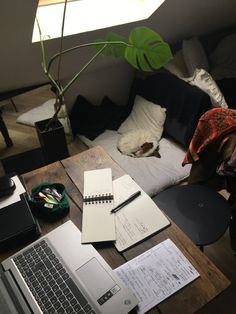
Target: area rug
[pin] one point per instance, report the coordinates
(42, 112)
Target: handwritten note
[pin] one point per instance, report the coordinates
(156, 274)
(137, 220)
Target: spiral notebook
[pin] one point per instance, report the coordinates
(98, 223)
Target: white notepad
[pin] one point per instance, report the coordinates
(98, 223)
(156, 274)
(137, 220)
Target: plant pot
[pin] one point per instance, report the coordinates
(53, 142)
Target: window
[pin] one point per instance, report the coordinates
(89, 15)
(46, 2)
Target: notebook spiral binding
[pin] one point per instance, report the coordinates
(95, 199)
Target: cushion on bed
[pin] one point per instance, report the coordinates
(151, 173)
(184, 103)
(145, 115)
(115, 114)
(223, 58)
(86, 119)
(177, 65)
(194, 55)
(90, 120)
(202, 79)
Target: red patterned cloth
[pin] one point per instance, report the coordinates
(212, 126)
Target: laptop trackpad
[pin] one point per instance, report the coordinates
(97, 280)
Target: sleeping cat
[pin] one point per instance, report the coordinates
(138, 143)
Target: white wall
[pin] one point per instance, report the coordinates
(20, 59)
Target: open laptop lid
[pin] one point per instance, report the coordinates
(90, 272)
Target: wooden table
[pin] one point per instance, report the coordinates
(188, 300)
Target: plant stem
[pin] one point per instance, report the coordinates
(44, 65)
(61, 41)
(83, 69)
(86, 45)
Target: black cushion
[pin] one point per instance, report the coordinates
(184, 103)
(115, 114)
(228, 89)
(90, 120)
(85, 118)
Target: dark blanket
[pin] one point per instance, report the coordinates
(184, 103)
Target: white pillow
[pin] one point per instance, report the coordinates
(45, 111)
(177, 65)
(194, 55)
(145, 115)
(205, 82)
(223, 58)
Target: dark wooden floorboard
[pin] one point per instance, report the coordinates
(223, 257)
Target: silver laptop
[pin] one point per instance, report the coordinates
(58, 274)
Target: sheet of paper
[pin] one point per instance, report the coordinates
(156, 274)
(137, 220)
(15, 197)
(98, 224)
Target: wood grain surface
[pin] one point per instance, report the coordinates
(70, 172)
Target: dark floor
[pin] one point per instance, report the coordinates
(223, 257)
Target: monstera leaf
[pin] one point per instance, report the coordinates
(144, 49)
(149, 51)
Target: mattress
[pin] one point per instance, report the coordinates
(151, 173)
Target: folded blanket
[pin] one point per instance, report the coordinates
(212, 126)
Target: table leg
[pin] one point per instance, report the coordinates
(4, 132)
(13, 103)
(232, 225)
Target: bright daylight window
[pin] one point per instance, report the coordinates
(89, 15)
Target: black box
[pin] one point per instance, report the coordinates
(17, 224)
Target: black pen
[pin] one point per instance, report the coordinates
(126, 202)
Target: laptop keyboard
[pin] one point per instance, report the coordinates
(50, 283)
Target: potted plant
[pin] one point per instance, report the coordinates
(144, 49)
